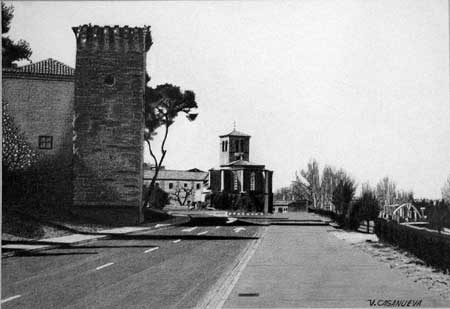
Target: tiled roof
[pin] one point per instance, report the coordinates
(235, 133)
(242, 163)
(48, 67)
(176, 175)
(282, 203)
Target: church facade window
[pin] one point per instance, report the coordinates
(252, 181)
(235, 182)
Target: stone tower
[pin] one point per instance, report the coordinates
(234, 146)
(110, 77)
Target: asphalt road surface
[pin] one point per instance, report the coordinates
(172, 267)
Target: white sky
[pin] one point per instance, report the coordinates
(362, 85)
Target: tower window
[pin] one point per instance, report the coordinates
(45, 142)
(170, 185)
(226, 145)
(236, 145)
(242, 145)
(198, 186)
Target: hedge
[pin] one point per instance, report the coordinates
(432, 247)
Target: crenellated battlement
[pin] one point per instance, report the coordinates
(120, 39)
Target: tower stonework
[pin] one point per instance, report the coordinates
(110, 77)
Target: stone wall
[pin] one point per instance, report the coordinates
(108, 124)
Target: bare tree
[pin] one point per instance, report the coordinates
(182, 194)
(446, 190)
(308, 184)
(386, 191)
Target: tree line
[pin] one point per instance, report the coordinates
(332, 190)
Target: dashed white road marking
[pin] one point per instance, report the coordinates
(151, 249)
(161, 225)
(103, 266)
(202, 233)
(176, 241)
(10, 298)
(217, 227)
(231, 220)
(189, 229)
(238, 229)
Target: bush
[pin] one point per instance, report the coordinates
(237, 202)
(159, 198)
(440, 217)
(430, 246)
(47, 183)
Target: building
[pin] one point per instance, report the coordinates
(90, 119)
(184, 187)
(40, 97)
(240, 177)
(283, 206)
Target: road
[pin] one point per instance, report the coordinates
(171, 267)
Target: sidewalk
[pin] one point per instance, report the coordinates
(308, 266)
(13, 247)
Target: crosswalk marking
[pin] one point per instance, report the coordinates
(189, 229)
(231, 220)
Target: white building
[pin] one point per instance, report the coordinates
(183, 187)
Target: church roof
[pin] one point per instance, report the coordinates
(47, 67)
(243, 163)
(235, 133)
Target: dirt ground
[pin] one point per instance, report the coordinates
(407, 263)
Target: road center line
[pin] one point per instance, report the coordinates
(202, 233)
(151, 249)
(103, 266)
(175, 241)
(189, 229)
(10, 298)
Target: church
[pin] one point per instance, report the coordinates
(239, 178)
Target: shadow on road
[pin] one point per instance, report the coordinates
(179, 236)
(26, 253)
(220, 221)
